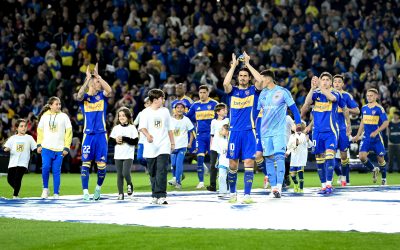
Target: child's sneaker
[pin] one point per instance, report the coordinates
(200, 185)
(343, 184)
(130, 189)
(162, 201)
(45, 193)
(121, 197)
(384, 182)
(322, 191)
(86, 197)
(178, 186)
(154, 200)
(172, 182)
(56, 196)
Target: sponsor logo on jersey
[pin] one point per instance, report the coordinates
(157, 123)
(239, 103)
(371, 119)
(94, 107)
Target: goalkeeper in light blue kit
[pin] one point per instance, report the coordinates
(274, 101)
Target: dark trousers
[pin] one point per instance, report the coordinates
(394, 157)
(213, 168)
(123, 171)
(14, 178)
(158, 170)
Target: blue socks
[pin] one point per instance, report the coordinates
(200, 168)
(301, 179)
(338, 170)
(248, 180)
(329, 164)
(321, 169)
(85, 177)
(101, 174)
(261, 165)
(368, 165)
(232, 179)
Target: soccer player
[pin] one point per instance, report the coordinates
(54, 137)
(202, 112)
(182, 127)
(242, 139)
(344, 123)
(181, 97)
(92, 97)
(216, 138)
(274, 101)
(155, 124)
(374, 121)
(326, 102)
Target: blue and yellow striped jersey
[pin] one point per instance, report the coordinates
(372, 118)
(188, 102)
(348, 102)
(94, 109)
(202, 113)
(325, 112)
(242, 108)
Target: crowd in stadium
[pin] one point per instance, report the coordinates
(46, 47)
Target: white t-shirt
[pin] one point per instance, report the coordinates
(158, 123)
(300, 152)
(289, 125)
(124, 151)
(142, 137)
(222, 149)
(20, 150)
(216, 126)
(180, 131)
(54, 129)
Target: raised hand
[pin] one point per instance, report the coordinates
(96, 70)
(235, 61)
(314, 82)
(88, 74)
(246, 57)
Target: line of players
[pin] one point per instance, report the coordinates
(269, 147)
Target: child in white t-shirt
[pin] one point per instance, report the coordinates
(155, 123)
(182, 125)
(20, 147)
(125, 136)
(298, 146)
(142, 138)
(223, 161)
(216, 125)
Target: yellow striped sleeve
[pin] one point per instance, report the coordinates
(68, 138)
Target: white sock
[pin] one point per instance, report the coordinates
(85, 191)
(98, 187)
(323, 185)
(329, 183)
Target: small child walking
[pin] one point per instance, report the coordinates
(20, 147)
(298, 146)
(125, 136)
(223, 161)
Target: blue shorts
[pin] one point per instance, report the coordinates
(373, 144)
(296, 169)
(274, 145)
(241, 145)
(324, 141)
(203, 143)
(343, 142)
(94, 147)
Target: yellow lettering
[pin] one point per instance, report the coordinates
(322, 106)
(371, 119)
(94, 107)
(239, 103)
